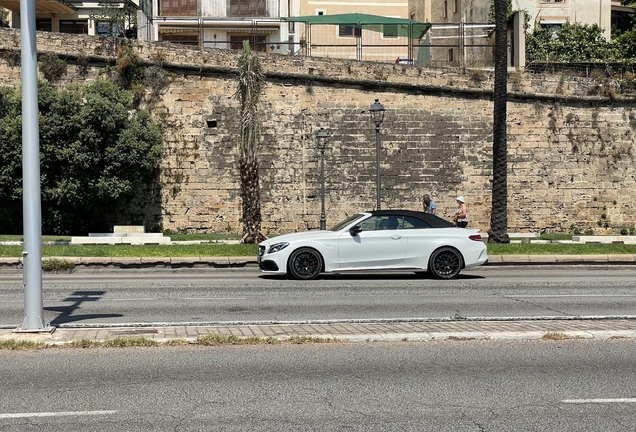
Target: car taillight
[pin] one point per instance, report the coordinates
(475, 237)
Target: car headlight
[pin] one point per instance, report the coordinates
(278, 247)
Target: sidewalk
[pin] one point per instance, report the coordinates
(238, 261)
(353, 331)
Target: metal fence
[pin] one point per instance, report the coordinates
(444, 45)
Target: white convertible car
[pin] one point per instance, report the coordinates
(376, 240)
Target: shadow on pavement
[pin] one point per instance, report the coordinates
(376, 276)
(78, 297)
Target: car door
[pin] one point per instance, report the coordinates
(373, 247)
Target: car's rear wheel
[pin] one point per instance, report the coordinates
(305, 264)
(445, 263)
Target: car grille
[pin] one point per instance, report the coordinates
(261, 251)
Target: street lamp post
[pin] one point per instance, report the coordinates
(377, 116)
(322, 137)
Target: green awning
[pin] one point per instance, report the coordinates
(396, 26)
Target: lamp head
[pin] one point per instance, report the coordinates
(377, 112)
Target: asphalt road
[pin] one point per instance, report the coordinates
(244, 295)
(574, 385)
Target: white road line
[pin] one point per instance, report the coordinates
(55, 414)
(174, 298)
(570, 295)
(590, 401)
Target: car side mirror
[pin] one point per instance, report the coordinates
(354, 230)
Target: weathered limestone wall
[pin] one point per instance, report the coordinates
(571, 155)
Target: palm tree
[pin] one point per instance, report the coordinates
(498, 232)
(251, 81)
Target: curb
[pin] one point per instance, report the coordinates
(242, 261)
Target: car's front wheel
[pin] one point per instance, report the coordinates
(305, 264)
(445, 263)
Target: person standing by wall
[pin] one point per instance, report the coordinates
(461, 214)
(429, 205)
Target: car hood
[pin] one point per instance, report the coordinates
(301, 236)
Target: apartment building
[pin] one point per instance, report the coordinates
(73, 16)
(221, 23)
(356, 40)
(459, 35)
(457, 39)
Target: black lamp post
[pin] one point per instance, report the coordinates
(377, 116)
(322, 137)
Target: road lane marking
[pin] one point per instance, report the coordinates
(55, 414)
(175, 298)
(590, 401)
(569, 295)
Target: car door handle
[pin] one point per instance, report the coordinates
(396, 237)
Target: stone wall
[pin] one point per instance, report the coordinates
(571, 155)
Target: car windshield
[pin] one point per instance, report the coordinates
(346, 222)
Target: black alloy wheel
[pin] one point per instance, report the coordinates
(305, 264)
(445, 263)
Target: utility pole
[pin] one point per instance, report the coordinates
(31, 200)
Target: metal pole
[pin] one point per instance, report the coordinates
(323, 216)
(32, 218)
(377, 164)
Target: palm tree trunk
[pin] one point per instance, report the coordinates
(251, 202)
(498, 232)
(248, 92)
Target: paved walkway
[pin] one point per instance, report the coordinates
(353, 331)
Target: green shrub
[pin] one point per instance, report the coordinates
(52, 67)
(57, 264)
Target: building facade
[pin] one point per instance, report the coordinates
(80, 17)
(372, 43)
(221, 23)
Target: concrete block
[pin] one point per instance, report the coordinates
(618, 239)
(11, 261)
(144, 240)
(621, 257)
(126, 260)
(517, 259)
(568, 258)
(95, 240)
(594, 258)
(125, 229)
(96, 260)
(184, 260)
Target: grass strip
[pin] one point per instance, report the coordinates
(126, 342)
(559, 336)
(113, 251)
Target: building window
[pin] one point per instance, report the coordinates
(390, 30)
(445, 8)
(76, 27)
(257, 42)
(349, 31)
(450, 55)
(248, 8)
(105, 28)
(553, 25)
(455, 7)
(179, 8)
(43, 25)
(183, 39)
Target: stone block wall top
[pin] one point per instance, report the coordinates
(129, 229)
